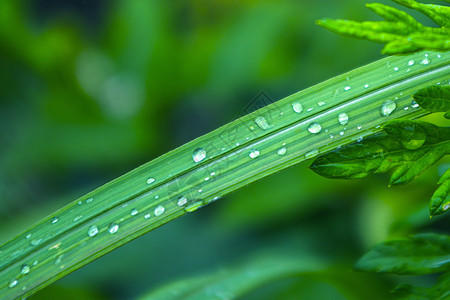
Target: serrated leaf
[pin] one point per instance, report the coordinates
(421, 254)
(400, 32)
(434, 98)
(439, 291)
(408, 146)
(440, 201)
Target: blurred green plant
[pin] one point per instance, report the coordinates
(154, 194)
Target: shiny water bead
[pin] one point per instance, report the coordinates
(159, 210)
(199, 154)
(134, 212)
(297, 107)
(321, 103)
(181, 201)
(388, 107)
(314, 128)
(425, 61)
(262, 123)
(147, 216)
(311, 153)
(343, 118)
(113, 228)
(92, 231)
(253, 153)
(347, 88)
(54, 220)
(414, 104)
(150, 180)
(12, 283)
(411, 62)
(25, 269)
(282, 151)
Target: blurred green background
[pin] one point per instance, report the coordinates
(92, 89)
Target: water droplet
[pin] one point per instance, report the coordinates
(28, 236)
(150, 180)
(147, 216)
(181, 201)
(92, 231)
(388, 107)
(366, 86)
(113, 228)
(194, 206)
(159, 210)
(253, 153)
(414, 104)
(206, 178)
(282, 151)
(347, 88)
(200, 190)
(35, 242)
(212, 173)
(12, 283)
(405, 108)
(425, 61)
(89, 200)
(251, 128)
(359, 127)
(411, 62)
(54, 220)
(77, 218)
(310, 109)
(35, 263)
(446, 207)
(396, 69)
(297, 107)
(134, 212)
(438, 56)
(321, 103)
(341, 133)
(331, 136)
(156, 197)
(25, 269)
(79, 202)
(199, 154)
(262, 123)
(311, 153)
(314, 128)
(407, 70)
(343, 118)
(237, 144)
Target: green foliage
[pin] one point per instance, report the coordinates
(419, 254)
(434, 99)
(400, 32)
(440, 201)
(408, 146)
(439, 291)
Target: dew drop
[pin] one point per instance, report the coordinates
(311, 153)
(194, 206)
(28, 236)
(366, 86)
(405, 108)
(199, 154)
(159, 210)
(314, 128)
(25, 269)
(359, 127)
(77, 218)
(438, 56)
(310, 109)
(262, 123)
(388, 107)
(297, 107)
(347, 88)
(282, 151)
(425, 61)
(147, 216)
(92, 231)
(212, 173)
(12, 283)
(35, 242)
(411, 62)
(54, 220)
(150, 180)
(251, 128)
(321, 103)
(89, 200)
(113, 228)
(341, 133)
(35, 263)
(134, 212)
(446, 207)
(331, 136)
(343, 118)
(206, 178)
(396, 69)
(414, 104)
(253, 153)
(181, 201)
(79, 202)
(156, 197)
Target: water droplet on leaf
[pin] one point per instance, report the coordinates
(388, 107)
(159, 210)
(199, 154)
(262, 123)
(314, 128)
(92, 231)
(297, 107)
(282, 151)
(113, 228)
(343, 118)
(253, 153)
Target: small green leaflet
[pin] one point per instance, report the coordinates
(434, 99)
(408, 146)
(421, 254)
(400, 32)
(440, 201)
(439, 291)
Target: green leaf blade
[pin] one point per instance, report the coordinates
(440, 201)
(418, 255)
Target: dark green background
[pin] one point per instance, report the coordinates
(91, 89)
